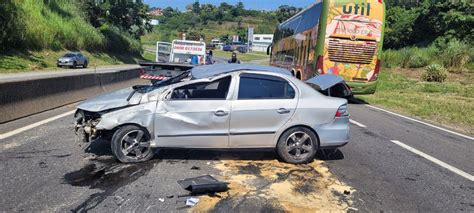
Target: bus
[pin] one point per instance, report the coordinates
(340, 37)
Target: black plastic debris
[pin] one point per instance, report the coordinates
(195, 168)
(203, 184)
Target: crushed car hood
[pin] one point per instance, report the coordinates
(107, 101)
(325, 81)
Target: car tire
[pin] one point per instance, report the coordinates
(74, 65)
(297, 145)
(129, 147)
(85, 64)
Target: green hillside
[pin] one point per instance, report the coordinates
(33, 33)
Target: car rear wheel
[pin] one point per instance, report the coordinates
(297, 145)
(131, 144)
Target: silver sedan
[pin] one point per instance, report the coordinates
(218, 107)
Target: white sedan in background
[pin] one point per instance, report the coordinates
(222, 106)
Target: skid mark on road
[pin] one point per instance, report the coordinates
(270, 185)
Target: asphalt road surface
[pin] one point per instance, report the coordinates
(391, 164)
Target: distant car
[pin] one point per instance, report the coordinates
(242, 49)
(210, 46)
(227, 47)
(73, 60)
(222, 106)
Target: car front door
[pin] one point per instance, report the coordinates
(82, 59)
(196, 115)
(262, 105)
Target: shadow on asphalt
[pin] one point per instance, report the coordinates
(354, 100)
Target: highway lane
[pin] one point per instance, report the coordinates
(389, 177)
(44, 169)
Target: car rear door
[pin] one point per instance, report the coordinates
(262, 105)
(196, 116)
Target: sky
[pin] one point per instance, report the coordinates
(249, 4)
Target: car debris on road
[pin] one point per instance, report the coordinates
(192, 201)
(203, 184)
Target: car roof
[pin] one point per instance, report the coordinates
(207, 71)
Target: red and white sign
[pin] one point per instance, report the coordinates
(189, 48)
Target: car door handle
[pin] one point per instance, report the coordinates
(220, 113)
(283, 111)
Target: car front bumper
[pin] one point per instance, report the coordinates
(65, 63)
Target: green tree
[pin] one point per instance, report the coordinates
(130, 16)
(285, 12)
(399, 29)
(10, 26)
(196, 7)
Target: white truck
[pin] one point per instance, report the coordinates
(181, 52)
(174, 58)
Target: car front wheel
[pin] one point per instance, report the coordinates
(297, 145)
(85, 64)
(131, 144)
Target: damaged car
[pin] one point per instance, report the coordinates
(223, 106)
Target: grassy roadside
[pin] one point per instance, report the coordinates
(27, 61)
(450, 103)
(244, 57)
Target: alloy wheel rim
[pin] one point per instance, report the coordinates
(134, 144)
(299, 145)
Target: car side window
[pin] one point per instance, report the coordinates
(256, 86)
(215, 90)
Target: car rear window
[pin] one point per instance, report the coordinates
(256, 86)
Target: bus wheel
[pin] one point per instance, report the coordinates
(298, 75)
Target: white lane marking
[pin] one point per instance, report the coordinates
(357, 123)
(434, 160)
(421, 122)
(33, 125)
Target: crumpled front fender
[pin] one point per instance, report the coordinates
(142, 115)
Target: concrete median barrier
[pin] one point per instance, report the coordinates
(25, 97)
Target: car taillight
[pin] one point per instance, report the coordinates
(342, 111)
(376, 71)
(319, 64)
